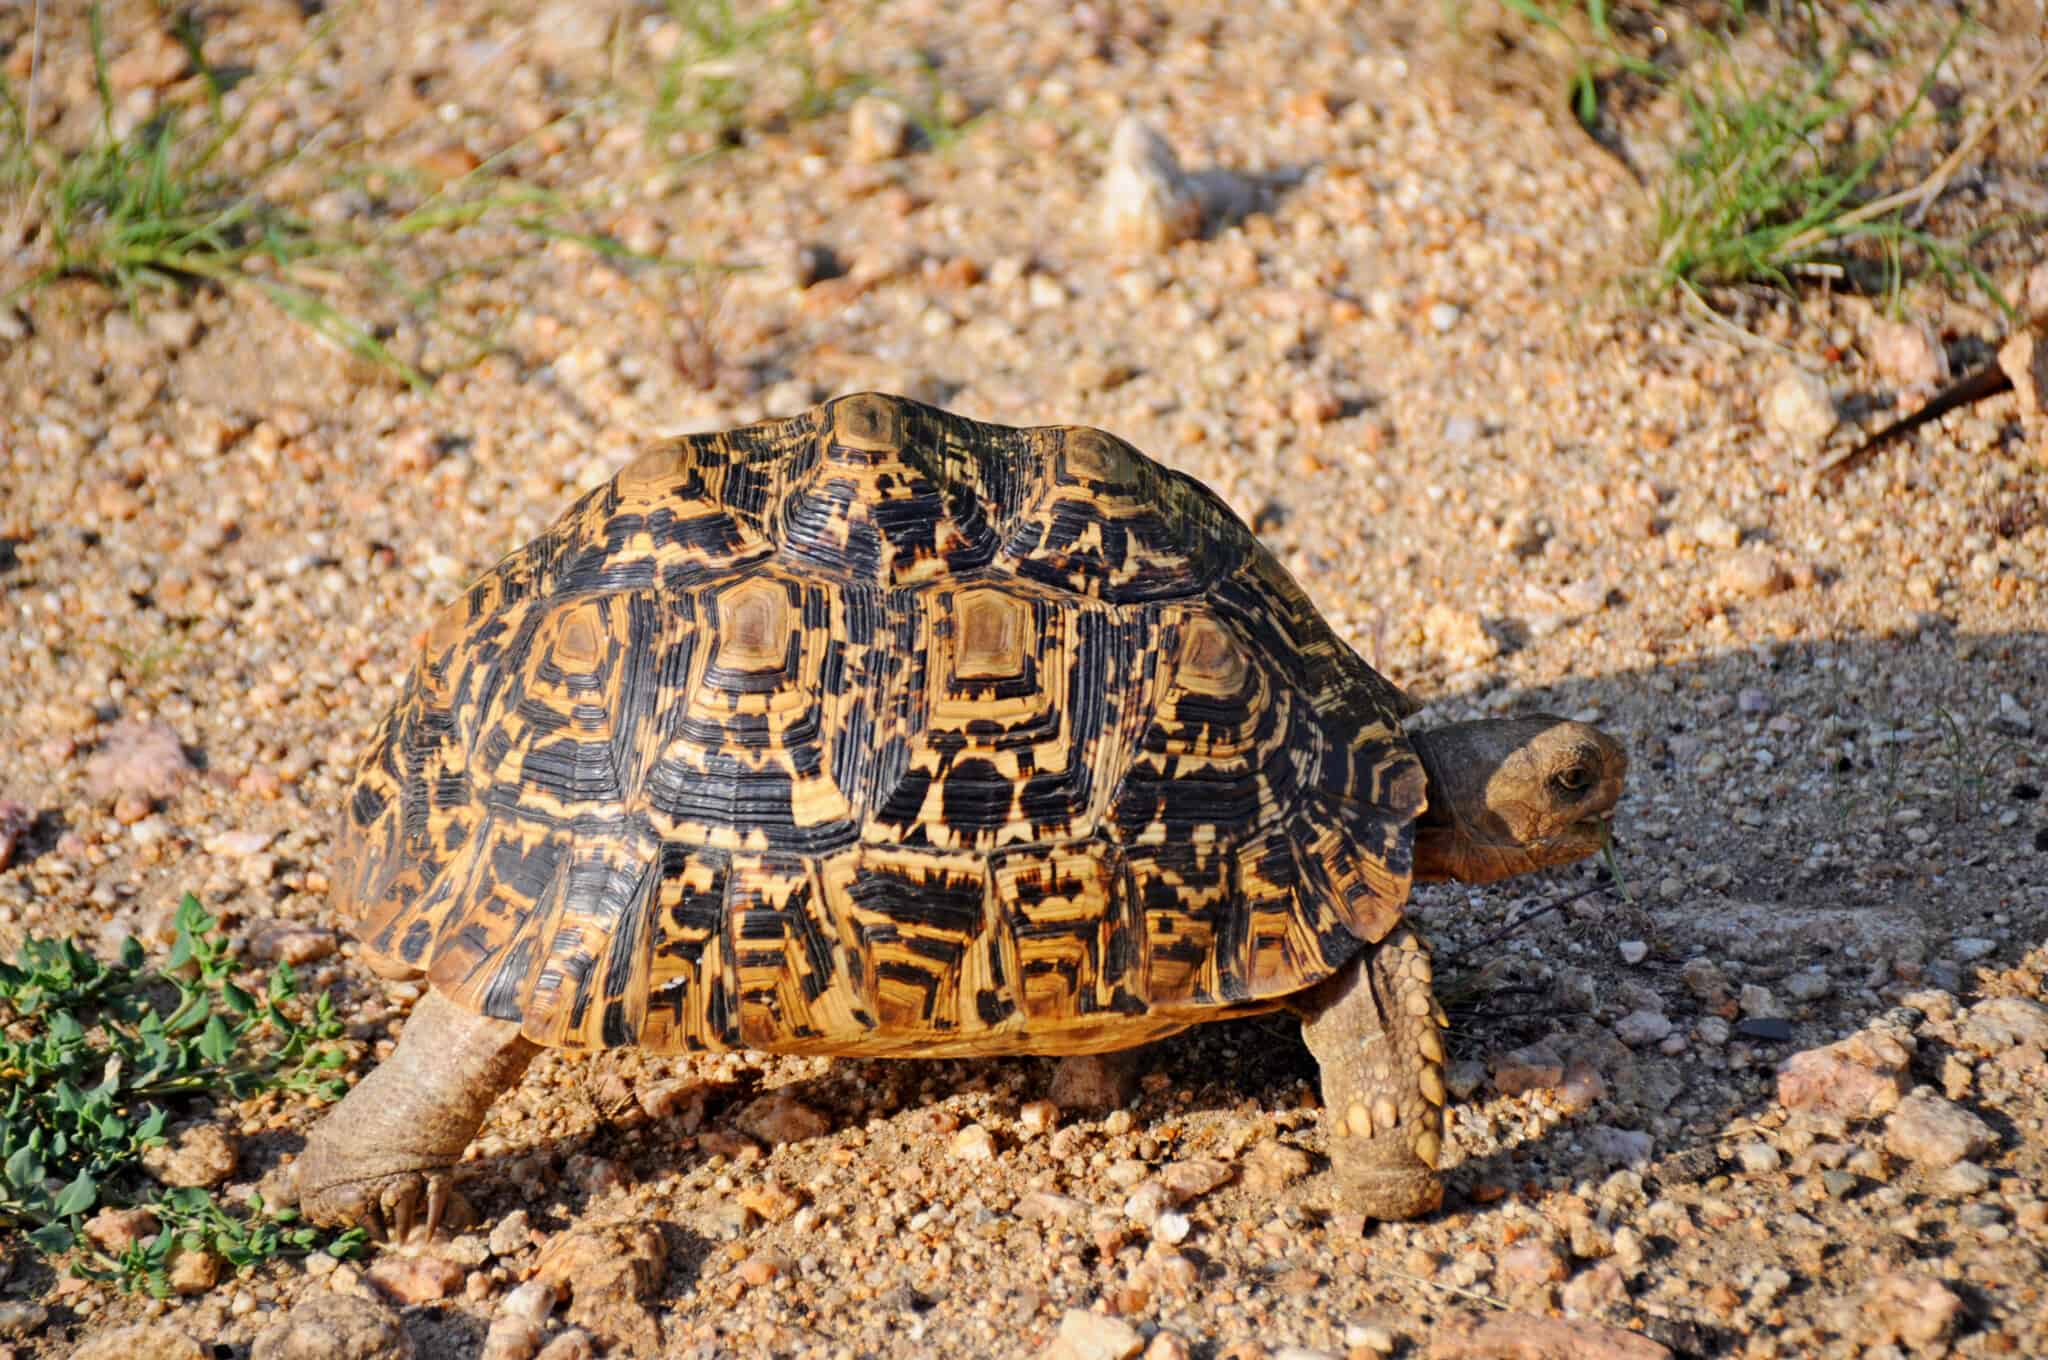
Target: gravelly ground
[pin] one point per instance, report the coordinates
(1397, 362)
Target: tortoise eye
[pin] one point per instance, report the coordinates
(1573, 779)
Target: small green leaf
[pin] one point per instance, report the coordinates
(77, 1197)
(52, 1239)
(238, 1000)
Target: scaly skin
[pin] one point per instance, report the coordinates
(1373, 1028)
(382, 1158)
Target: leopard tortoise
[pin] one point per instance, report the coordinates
(884, 732)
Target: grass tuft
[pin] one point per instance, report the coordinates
(99, 1056)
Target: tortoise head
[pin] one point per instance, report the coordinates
(1508, 795)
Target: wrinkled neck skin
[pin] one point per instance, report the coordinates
(1512, 795)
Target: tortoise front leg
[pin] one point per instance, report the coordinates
(1373, 1030)
(384, 1154)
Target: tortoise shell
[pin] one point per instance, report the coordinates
(878, 730)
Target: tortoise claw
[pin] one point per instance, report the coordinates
(390, 1208)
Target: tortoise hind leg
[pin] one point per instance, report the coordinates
(381, 1159)
(1373, 1030)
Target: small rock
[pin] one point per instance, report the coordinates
(1910, 1306)
(1166, 1346)
(781, 1118)
(1798, 406)
(973, 1144)
(511, 1234)
(1619, 1147)
(772, 1203)
(192, 1270)
(1595, 1290)
(1375, 1338)
(2011, 719)
(202, 1155)
(610, 1272)
(143, 1341)
(1758, 1003)
(1859, 1077)
(877, 130)
(116, 1230)
(811, 263)
(1634, 951)
(1444, 315)
(1757, 1158)
(1091, 1336)
(574, 1344)
(1172, 1227)
(511, 1338)
(1811, 985)
(1640, 1028)
(1464, 1077)
(1964, 1179)
(334, 1328)
(1148, 201)
(1752, 574)
(1146, 1203)
(1192, 1178)
(408, 1280)
(1935, 1132)
(1044, 1206)
(1717, 531)
(762, 1267)
(1038, 1116)
(2024, 357)
(293, 943)
(1906, 352)
(143, 759)
(1532, 1068)
(1526, 1336)
(1273, 1165)
(2005, 1022)
(534, 1301)
(1528, 1263)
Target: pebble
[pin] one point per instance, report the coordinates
(533, 1301)
(192, 1270)
(1640, 1028)
(116, 1230)
(781, 1118)
(1090, 1082)
(1619, 1147)
(1530, 1262)
(1532, 1068)
(573, 1344)
(1193, 1178)
(1907, 353)
(1375, 1337)
(973, 1144)
(1084, 1335)
(1038, 1116)
(415, 1279)
(2024, 357)
(330, 1326)
(1172, 1227)
(1910, 1306)
(202, 1155)
(1444, 315)
(511, 1338)
(1148, 202)
(1717, 531)
(1799, 407)
(877, 129)
(1757, 1158)
(142, 759)
(1964, 1179)
(1860, 1077)
(1634, 951)
(1993, 1026)
(1273, 1165)
(511, 1234)
(1935, 1132)
(1753, 574)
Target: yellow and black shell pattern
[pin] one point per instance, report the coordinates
(879, 731)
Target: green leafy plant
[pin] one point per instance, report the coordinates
(97, 1055)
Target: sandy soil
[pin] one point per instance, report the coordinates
(1394, 351)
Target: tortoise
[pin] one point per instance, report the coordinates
(879, 731)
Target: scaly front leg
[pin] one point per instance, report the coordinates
(381, 1159)
(1373, 1028)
